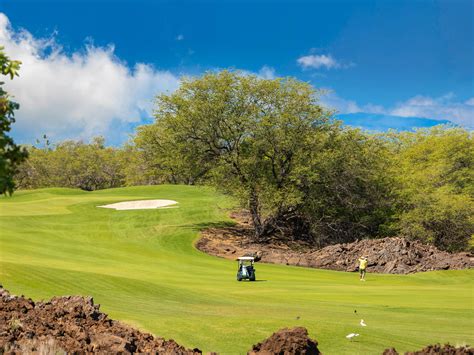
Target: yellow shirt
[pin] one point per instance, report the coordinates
(363, 264)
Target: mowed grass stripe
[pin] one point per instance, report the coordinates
(142, 268)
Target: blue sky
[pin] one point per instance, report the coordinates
(388, 59)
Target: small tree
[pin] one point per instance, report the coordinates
(11, 155)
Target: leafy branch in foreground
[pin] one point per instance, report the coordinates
(11, 155)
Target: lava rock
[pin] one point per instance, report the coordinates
(287, 342)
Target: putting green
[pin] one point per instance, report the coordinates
(141, 266)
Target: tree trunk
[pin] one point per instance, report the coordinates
(254, 207)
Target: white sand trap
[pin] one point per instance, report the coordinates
(140, 205)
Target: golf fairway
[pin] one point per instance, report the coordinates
(141, 266)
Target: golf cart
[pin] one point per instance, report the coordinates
(246, 270)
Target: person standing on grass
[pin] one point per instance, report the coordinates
(362, 267)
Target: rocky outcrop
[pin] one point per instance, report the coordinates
(390, 256)
(72, 324)
(436, 350)
(287, 342)
(387, 255)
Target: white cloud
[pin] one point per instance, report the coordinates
(264, 72)
(470, 101)
(76, 95)
(332, 101)
(180, 37)
(319, 61)
(441, 108)
(267, 72)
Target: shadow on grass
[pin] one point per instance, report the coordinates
(244, 281)
(199, 227)
(220, 224)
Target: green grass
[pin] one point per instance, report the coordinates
(142, 268)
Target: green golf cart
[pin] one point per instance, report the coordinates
(245, 270)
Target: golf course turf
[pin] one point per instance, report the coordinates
(141, 266)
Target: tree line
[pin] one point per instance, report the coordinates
(297, 170)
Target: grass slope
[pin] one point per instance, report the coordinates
(142, 268)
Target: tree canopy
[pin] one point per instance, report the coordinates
(73, 164)
(434, 180)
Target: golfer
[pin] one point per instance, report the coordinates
(362, 267)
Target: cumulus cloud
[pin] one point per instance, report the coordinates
(314, 61)
(76, 95)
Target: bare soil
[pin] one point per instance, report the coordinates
(388, 255)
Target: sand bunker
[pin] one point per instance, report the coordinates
(140, 205)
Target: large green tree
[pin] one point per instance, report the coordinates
(11, 155)
(269, 143)
(242, 133)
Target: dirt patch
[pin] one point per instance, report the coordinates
(286, 342)
(436, 350)
(387, 255)
(71, 324)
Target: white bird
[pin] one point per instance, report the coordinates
(362, 323)
(351, 336)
